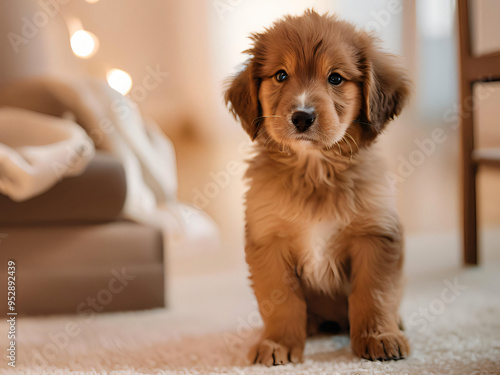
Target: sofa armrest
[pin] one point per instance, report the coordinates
(97, 195)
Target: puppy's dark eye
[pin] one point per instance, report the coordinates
(281, 76)
(335, 79)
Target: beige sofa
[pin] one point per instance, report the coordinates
(74, 254)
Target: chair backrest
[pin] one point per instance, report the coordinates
(474, 68)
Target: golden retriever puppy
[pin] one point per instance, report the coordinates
(323, 238)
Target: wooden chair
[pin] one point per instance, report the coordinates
(473, 69)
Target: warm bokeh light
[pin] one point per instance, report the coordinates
(119, 80)
(84, 44)
(91, 1)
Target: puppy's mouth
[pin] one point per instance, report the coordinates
(284, 132)
(304, 138)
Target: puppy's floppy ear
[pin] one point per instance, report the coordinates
(385, 87)
(242, 96)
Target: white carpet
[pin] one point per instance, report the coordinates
(453, 330)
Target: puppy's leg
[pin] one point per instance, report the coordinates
(374, 300)
(281, 304)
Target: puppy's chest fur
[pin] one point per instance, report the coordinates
(306, 205)
(322, 266)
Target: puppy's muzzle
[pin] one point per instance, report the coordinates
(303, 120)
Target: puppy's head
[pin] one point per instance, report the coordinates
(315, 80)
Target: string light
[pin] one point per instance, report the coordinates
(119, 80)
(84, 44)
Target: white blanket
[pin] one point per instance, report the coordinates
(37, 150)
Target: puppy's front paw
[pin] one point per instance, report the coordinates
(270, 353)
(381, 347)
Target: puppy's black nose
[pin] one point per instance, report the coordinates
(303, 120)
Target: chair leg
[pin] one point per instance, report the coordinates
(468, 178)
(469, 217)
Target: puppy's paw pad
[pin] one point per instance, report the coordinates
(271, 353)
(382, 347)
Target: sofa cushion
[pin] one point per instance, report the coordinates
(59, 266)
(97, 195)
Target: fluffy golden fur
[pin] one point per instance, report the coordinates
(323, 238)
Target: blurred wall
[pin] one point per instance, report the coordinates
(34, 41)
